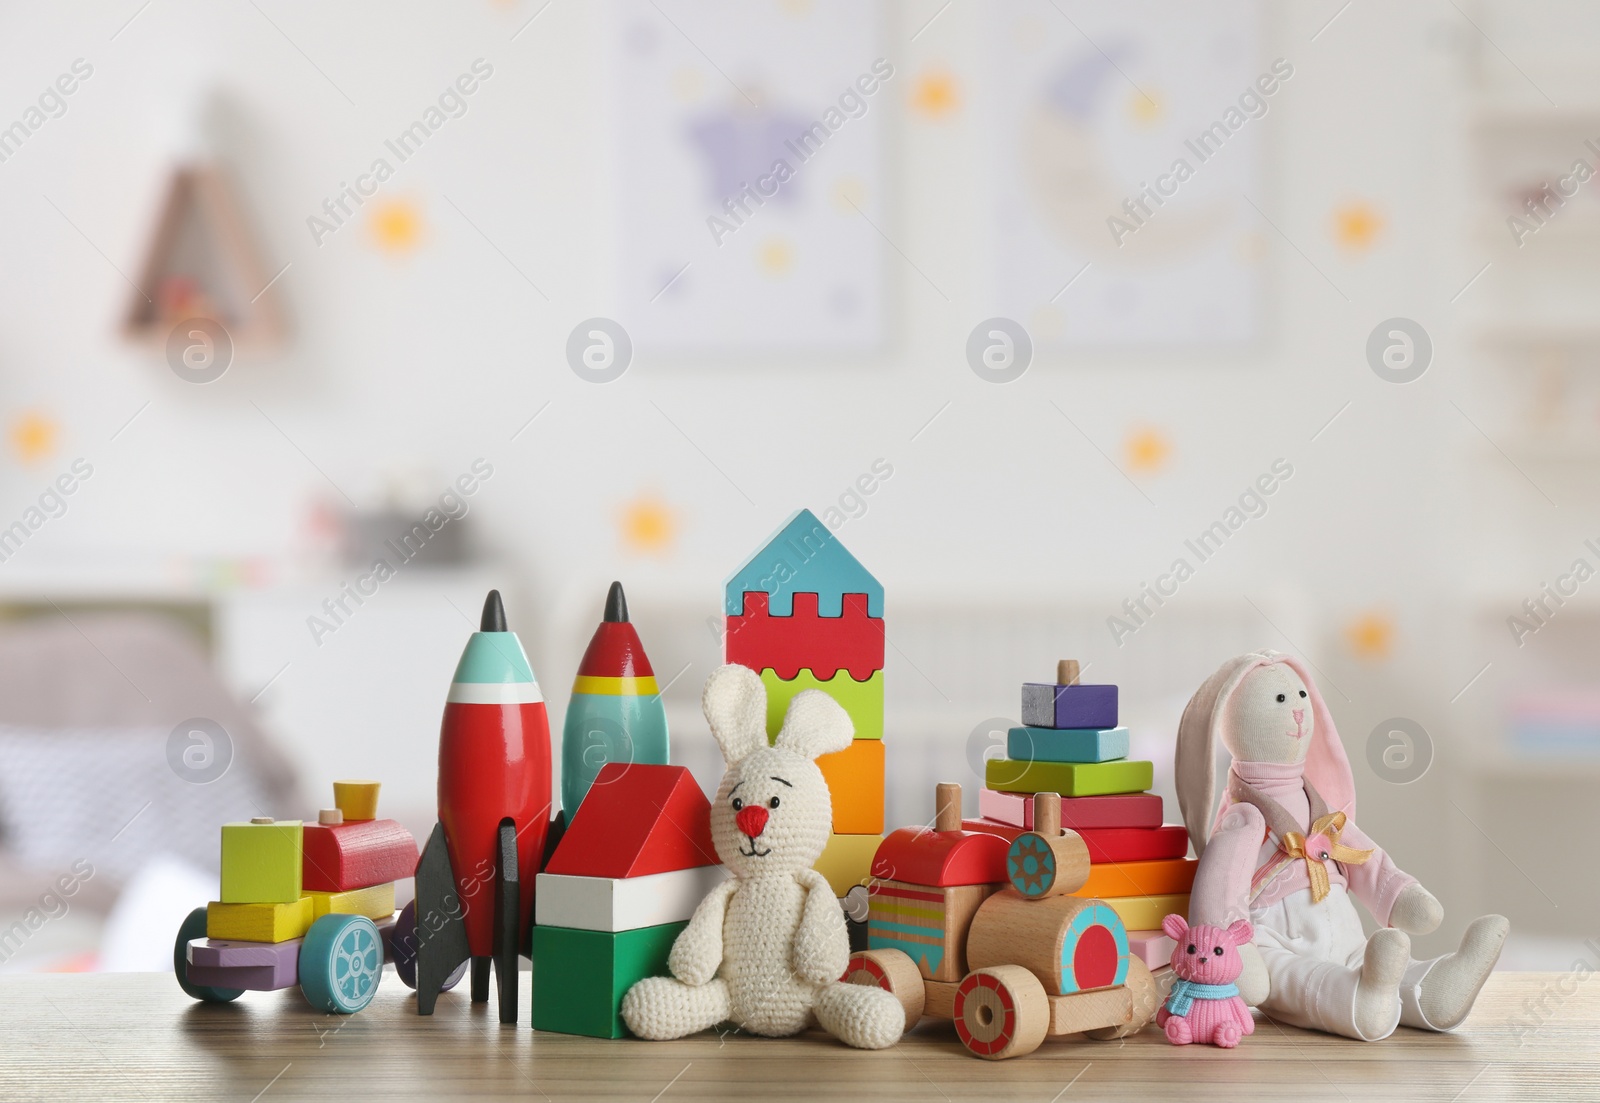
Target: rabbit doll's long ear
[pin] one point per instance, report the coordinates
(735, 704)
(1194, 758)
(815, 725)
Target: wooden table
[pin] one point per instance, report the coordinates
(87, 1037)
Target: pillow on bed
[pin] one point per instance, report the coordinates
(109, 796)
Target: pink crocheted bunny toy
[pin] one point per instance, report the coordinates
(1204, 1005)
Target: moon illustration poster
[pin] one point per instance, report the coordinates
(1126, 169)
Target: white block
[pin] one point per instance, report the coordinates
(621, 903)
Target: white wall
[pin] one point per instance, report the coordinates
(429, 361)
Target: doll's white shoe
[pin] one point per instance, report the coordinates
(1377, 1000)
(1451, 986)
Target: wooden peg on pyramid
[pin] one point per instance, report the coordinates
(1067, 672)
(1047, 861)
(947, 807)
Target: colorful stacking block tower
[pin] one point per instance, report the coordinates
(805, 614)
(634, 863)
(1070, 743)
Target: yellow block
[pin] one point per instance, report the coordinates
(259, 922)
(1145, 913)
(358, 800)
(847, 860)
(374, 902)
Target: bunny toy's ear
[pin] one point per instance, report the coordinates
(815, 725)
(1241, 931)
(1175, 926)
(1194, 765)
(735, 704)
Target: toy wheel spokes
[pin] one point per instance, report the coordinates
(1145, 992)
(341, 962)
(195, 927)
(356, 964)
(1001, 1012)
(895, 973)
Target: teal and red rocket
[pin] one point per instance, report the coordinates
(475, 878)
(616, 713)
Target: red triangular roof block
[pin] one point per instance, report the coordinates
(637, 819)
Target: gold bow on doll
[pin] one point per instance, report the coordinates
(1322, 846)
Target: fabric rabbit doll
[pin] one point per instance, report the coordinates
(1284, 851)
(766, 948)
(1204, 1005)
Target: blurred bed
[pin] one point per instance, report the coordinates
(120, 753)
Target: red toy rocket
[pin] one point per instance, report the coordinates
(475, 878)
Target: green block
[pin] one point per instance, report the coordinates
(862, 700)
(1070, 779)
(261, 862)
(580, 977)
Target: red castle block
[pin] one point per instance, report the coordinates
(852, 641)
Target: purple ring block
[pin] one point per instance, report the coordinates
(253, 966)
(256, 966)
(1046, 705)
(255, 978)
(221, 953)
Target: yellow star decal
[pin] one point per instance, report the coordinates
(1145, 109)
(396, 226)
(1357, 226)
(648, 526)
(935, 95)
(1371, 635)
(33, 437)
(1147, 450)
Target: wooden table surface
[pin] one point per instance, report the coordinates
(136, 1036)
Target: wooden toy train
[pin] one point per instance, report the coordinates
(972, 927)
(306, 904)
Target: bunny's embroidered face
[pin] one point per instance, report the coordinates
(1207, 954)
(773, 812)
(1270, 717)
(772, 815)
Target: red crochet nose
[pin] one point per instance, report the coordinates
(752, 819)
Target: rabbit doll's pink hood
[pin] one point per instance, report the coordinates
(1326, 767)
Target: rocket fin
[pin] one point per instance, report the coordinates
(441, 934)
(507, 919)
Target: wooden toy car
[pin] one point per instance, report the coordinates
(309, 905)
(983, 931)
(337, 964)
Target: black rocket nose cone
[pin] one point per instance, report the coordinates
(494, 614)
(616, 605)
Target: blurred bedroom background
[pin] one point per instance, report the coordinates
(281, 280)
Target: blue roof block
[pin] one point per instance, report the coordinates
(803, 557)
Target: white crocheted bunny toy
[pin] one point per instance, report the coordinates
(766, 948)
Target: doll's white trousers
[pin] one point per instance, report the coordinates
(1313, 954)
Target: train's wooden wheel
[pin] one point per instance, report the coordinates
(1001, 1012)
(895, 973)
